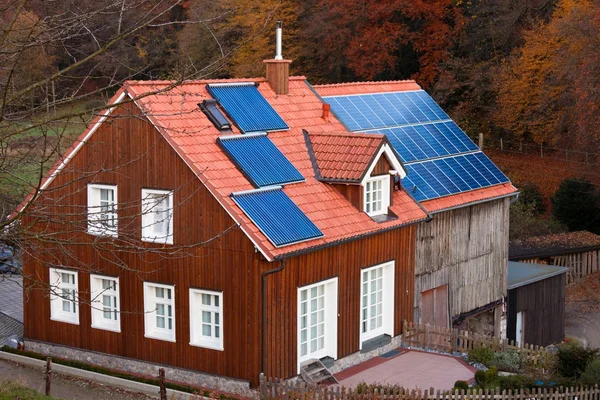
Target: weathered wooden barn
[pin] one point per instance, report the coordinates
(462, 252)
(536, 303)
(579, 251)
(201, 228)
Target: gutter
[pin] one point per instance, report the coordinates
(264, 312)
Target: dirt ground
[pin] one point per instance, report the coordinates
(583, 310)
(63, 387)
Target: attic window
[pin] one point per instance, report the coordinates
(209, 107)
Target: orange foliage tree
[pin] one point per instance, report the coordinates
(550, 90)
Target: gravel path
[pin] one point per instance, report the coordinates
(63, 387)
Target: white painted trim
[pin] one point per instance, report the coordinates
(385, 195)
(331, 318)
(195, 310)
(97, 320)
(146, 225)
(81, 143)
(387, 314)
(396, 165)
(150, 328)
(56, 313)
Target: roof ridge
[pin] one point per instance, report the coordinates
(365, 83)
(349, 134)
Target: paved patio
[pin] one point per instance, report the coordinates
(411, 369)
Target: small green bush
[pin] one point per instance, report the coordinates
(482, 355)
(573, 358)
(461, 385)
(591, 375)
(515, 382)
(510, 361)
(530, 194)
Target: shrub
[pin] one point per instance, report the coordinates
(591, 375)
(576, 204)
(573, 358)
(515, 382)
(487, 379)
(461, 385)
(511, 361)
(530, 194)
(482, 355)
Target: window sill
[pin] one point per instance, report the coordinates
(375, 343)
(383, 218)
(157, 240)
(106, 328)
(210, 346)
(159, 337)
(102, 232)
(65, 320)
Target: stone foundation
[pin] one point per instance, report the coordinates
(184, 376)
(483, 323)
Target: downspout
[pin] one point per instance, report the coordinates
(264, 312)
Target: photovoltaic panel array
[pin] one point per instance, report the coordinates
(381, 110)
(451, 175)
(431, 140)
(259, 160)
(276, 215)
(246, 107)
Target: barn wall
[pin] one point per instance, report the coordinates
(466, 249)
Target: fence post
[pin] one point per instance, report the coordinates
(454, 340)
(48, 375)
(481, 141)
(161, 380)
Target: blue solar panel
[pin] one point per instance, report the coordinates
(450, 175)
(259, 160)
(248, 109)
(276, 215)
(374, 111)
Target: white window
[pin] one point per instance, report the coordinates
(157, 216)
(377, 301)
(102, 210)
(317, 321)
(377, 195)
(159, 306)
(206, 319)
(105, 303)
(63, 296)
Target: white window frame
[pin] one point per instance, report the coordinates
(95, 224)
(330, 318)
(148, 220)
(387, 303)
(385, 195)
(197, 322)
(152, 330)
(57, 300)
(98, 295)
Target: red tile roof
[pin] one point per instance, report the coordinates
(341, 89)
(176, 115)
(463, 199)
(343, 156)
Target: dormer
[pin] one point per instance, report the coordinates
(363, 167)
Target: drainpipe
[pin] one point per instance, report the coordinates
(264, 312)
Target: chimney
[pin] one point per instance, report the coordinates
(278, 69)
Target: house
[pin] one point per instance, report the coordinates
(579, 251)
(462, 253)
(536, 303)
(220, 229)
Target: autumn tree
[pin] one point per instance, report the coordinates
(549, 91)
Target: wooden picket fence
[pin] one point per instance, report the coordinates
(436, 338)
(275, 389)
(579, 264)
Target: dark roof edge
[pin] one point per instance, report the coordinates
(560, 271)
(311, 154)
(552, 253)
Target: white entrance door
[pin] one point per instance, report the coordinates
(520, 328)
(317, 321)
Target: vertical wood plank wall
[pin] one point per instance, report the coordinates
(133, 155)
(466, 249)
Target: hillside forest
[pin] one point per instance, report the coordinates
(526, 72)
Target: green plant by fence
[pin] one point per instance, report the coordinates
(275, 389)
(437, 338)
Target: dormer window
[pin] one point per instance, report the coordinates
(377, 195)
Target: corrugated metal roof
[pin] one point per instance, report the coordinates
(259, 160)
(249, 110)
(521, 274)
(276, 215)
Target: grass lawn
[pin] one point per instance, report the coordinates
(11, 390)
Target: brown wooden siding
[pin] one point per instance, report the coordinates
(466, 249)
(133, 155)
(344, 262)
(354, 193)
(543, 303)
(382, 167)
